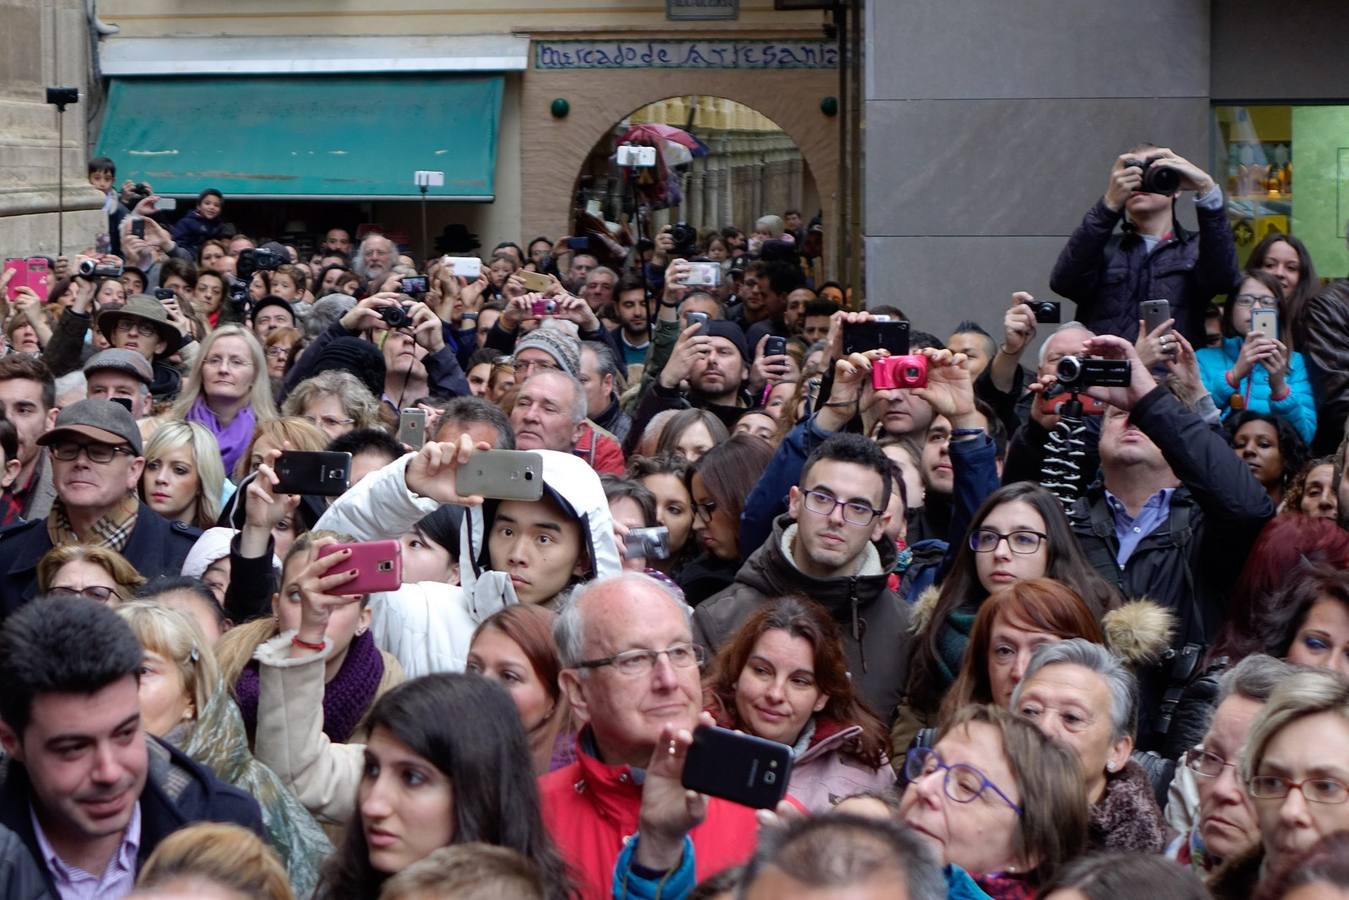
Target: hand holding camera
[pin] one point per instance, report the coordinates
(1018, 325)
(948, 388)
(691, 346)
(370, 313)
(1108, 370)
(426, 327)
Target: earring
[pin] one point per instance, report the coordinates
(1110, 767)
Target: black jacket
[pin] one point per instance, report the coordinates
(874, 621)
(1108, 279)
(156, 547)
(178, 792)
(21, 876)
(1188, 564)
(1323, 337)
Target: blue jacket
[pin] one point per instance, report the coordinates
(156, 547)
(768, 499)
(1299, 407)
(192, 230)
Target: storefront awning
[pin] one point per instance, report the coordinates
(306, 137)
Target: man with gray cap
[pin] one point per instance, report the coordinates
(115, 374)
(551, 350)
(95, 451)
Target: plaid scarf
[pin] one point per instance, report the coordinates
(112, 530)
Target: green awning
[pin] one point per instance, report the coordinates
(312, 137)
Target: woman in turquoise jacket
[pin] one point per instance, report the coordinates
(1256, 371)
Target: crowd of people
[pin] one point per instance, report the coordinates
(1021, 632)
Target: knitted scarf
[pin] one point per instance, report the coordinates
(345, 699)
(1126, 818)
(233, 438)
(952, 641)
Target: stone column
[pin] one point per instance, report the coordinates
(28, 129)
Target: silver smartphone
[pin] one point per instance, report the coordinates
(1154, 312)
(502, 475)
(1265, 321)
(412, 427)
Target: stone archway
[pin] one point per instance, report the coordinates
(552, 149)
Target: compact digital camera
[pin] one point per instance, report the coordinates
(395, 316)
(543, 307)
(1047, 311)
(92, 269)
(899, 372)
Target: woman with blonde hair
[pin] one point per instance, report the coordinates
(86, 570)
(335, 402)
(185, 703)
(214, 859)
(228, 390)
(183, 479)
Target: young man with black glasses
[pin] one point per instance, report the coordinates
(831, 546)
(96, 459)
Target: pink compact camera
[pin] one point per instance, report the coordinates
(544, 307)
(899, 372)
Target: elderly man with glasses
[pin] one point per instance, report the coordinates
(630, 673)
(97, 460)
(831, 546)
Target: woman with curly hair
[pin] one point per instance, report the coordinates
(1270, 446)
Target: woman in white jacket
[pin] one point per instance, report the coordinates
(428, 626)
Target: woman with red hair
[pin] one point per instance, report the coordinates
(783, 676)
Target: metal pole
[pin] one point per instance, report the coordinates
(60, 181)
(841, 248)
(855, 50)
(426, 234)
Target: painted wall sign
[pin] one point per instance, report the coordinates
(685, 55)
(684, 10)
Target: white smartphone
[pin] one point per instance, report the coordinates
(469, 267)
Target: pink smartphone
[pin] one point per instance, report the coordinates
(20, 279)
(37, 276)
(378, 565)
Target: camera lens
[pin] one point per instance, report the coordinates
(1069, 370)
(1161, 180)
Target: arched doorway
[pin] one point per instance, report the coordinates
(554, 147)
(743, 165)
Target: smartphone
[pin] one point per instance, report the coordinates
(578, 244)
(317, 472)
(412, 427)
(37, 276)
(700, 319)
(502, 475)
(775, 346)
(647, 543)
(413, 284)
(534, 282)
(469, 267)
(883, 335)
(378, 565)
(20, 279)
(1154, 313)
(1265, 321)
(738, 767)
(164, 204)
(162, 294)
(703, 274)
(137, 227)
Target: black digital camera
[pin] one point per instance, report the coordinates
(395, 316)
(1078, 372)
(1050, 311)
(93, 269)
(685, 239)
(258, 259)
(1157, 179)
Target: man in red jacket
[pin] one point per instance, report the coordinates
(630, 669)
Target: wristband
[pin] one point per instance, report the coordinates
(307, 645)
(665, 305)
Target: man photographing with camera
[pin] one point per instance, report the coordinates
(1153, 258)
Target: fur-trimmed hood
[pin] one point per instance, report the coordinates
(1137, 632)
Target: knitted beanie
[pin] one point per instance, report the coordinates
(722, 328)
(564, 348)
(360, 358)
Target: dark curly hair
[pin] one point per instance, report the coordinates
(1292, 448)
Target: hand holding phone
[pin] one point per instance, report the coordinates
(319, 473)
(412, 427)
(378, 565)
(501, 475)
(742, 768)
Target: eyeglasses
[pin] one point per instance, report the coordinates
(704, 511)
(855, 512)
(234, 362)
(328, 421)
(986, 540)
(635, 663)
(278, 352)
(533, 365)
(1210, 765)
(135, 326)
(98, 453)
(100, 594)
(962, 783)
(1321, 789)
(1264, 301)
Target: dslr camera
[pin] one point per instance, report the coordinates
(685, 239)
(909, 371)
(1078, 372)
(92, 269)
(1157, 179)
(1047, 311)
(259, 259)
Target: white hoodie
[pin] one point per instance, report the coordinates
(427, 625)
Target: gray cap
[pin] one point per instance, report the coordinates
(128, 361)
(101, 420)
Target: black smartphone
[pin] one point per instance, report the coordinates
(320, 473)
(775, 346)
(738, 767)
(578, 244)
(137, 227)
(892, 335)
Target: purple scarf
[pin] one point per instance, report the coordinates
(233, 438)
(346, 698)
